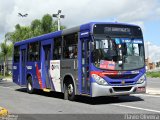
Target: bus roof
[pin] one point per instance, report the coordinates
(51, 35)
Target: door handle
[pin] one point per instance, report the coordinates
(75, 64)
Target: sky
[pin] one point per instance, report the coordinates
(145, 13)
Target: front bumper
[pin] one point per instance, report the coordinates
(100, 90)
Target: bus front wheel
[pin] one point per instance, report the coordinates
(69, 91)
(30, 89)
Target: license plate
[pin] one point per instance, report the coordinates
(141, 89)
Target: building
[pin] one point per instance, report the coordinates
(149, 64)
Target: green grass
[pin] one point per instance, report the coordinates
(153, 74)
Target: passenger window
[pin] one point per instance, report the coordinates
(16, 54)
(70, 49)
(57, 50)
(34, 51)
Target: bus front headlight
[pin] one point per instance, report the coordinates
(141, 79)
(99, 80)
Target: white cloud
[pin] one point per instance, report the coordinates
(158, 11)
(82, 11)
(139, 23)
(138, 10)
(77, 12)
(6, 9)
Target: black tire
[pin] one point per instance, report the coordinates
(30, 89)
(69, 91)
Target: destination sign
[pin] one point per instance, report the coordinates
(116, 29)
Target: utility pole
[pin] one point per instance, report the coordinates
(58, 16)
(148, 48)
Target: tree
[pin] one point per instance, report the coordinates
(47, 23)
(5, 50)
(16, 35)
(36, 28)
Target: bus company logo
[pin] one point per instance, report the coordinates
(54, 67)
(123, 82)
(29, 67)
(119, 72)
(85, 33)
(135, 72)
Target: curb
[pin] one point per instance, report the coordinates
(6, 79)
(3, 112)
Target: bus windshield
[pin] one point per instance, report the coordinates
(118, 53)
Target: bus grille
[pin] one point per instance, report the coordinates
(121, 89)
(127, 76)
(119, 82)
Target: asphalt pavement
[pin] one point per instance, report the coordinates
(153, 86)
(153, 83)
(18, 101)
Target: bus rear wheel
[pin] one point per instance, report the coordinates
(69, 91)
(30, 89)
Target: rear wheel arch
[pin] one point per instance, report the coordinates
(29, 75)
(29, 84)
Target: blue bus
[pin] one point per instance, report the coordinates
(93, 59)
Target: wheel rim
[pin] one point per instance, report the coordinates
(29, 86)
(70, 89)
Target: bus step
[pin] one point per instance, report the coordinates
(46, 90)
(85, 94)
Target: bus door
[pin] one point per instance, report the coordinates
(23, 58)
(45, 61)
(84, 63)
